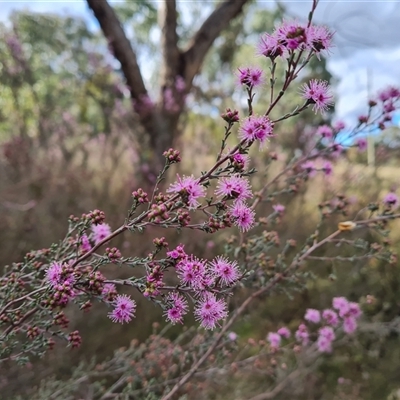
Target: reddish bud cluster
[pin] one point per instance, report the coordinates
(140, 196)
(230, 116)
(172, 156)
(113, 254)
(96, 217)
(74, 339)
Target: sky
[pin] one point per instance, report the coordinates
(366, 57)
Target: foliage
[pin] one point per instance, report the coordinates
(271, 262)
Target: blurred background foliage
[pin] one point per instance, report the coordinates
(69, 144)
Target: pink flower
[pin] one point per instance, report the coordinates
(309, 167)
(269, 46)
(302, 335)
(178, 253)
(341, 304)
(362, 144)
(209, 310)
(339, 125)
(325, 131)
(256, 128)
(243, 216)
(391, 199)
(240, 161)
(85, 244)
(54, 273)
(274, 339)
(192, 272)
(279, 208)
(250, 76)
(225, 270)
(319, 39)
(232, 336)
(292, 35)
(327, 167)
(354, 310)
(312, 315)
(234, 187)
(349, 325)
(324, 345)
(109, 291)
(336, 150)
(100, 232)
(124, 309)
(284, 332)
(330, 317)
(318, 93)
(178, 307)
(327, 332)
(189, 188)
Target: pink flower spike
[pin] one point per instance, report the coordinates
(312, 315)
(284, 332)
(274, 340)
(318, 93)
(100, 232)
(243, 216)
(124, 309)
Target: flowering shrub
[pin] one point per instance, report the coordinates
(35, 292)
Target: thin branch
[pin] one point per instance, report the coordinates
(212, 27)
(120, 46)
(169, 41)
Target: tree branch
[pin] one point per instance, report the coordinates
(120, 45)
(169, 41)
(212, 27)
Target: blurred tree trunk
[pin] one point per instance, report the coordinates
(159, 118)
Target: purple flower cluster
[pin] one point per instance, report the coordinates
(344, 314)
(291, 36)
(204, 279)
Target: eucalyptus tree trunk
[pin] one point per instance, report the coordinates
(159, 117)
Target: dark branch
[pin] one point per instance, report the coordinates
(169, 41)
(120, 46)
(203, 39)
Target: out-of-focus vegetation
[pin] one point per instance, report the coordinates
(70, 143)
